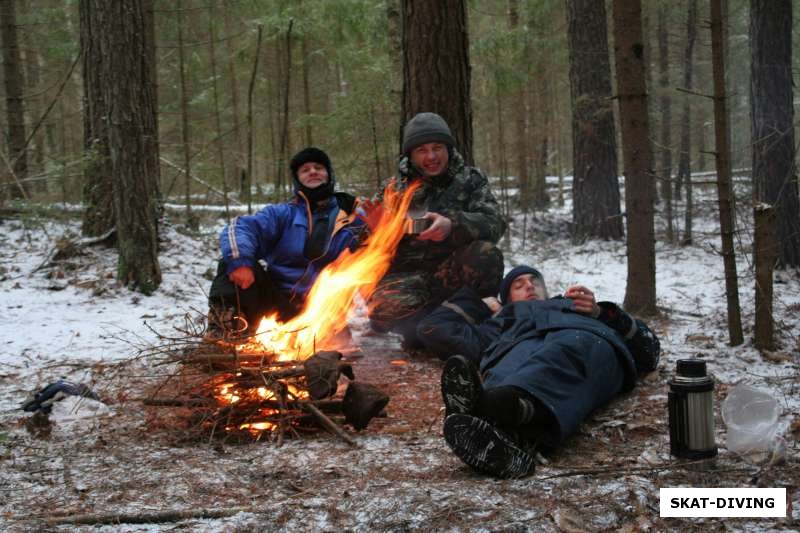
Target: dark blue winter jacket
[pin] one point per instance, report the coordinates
(464, 325)
(570, 362)
(278, 233)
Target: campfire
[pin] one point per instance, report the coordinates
(285, 378)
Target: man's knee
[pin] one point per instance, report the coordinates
(397, 298)
(478, 265)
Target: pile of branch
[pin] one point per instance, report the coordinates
(236, 396)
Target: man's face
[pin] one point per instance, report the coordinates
(430, 158)
(312, 175)
(527, 287)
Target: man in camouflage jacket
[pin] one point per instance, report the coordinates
(457, 249)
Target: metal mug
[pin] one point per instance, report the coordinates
(415, 226)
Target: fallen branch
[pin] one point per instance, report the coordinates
(328, 424)
(145, 518)
(330, 406)
(70, 247)
(200, 181)
(626, 471)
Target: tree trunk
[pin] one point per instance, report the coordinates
(309, 139)
(185, 134)
(684, 175)
(436, 68)
(765, 252)
(15, 108)
(250, 132)
(538, 185)
(133, 139)
(35, 104)
(595, 183)
(217, 120)
(394, 33)
(521, 116)
(236, 112)
(501, 144)
(98, 214)
(666, 120)
(284, 156)
(771, 95)
(724, 188)
(640, 291)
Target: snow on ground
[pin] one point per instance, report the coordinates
(71, 319)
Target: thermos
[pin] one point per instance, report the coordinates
(691, 411)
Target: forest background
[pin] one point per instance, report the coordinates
(236, 88)
(330, 74)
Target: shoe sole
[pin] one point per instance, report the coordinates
(486, 448)
(461, 386)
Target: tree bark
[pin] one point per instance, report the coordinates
(35, 103)
(309, 138)
(394, 23)
(666, 119)
(133, 139)
(240, 149)
(521, 116)
(284, 155)
(15, 107)
(640, 291)
(217, 120)
(98, 213)
(684, 175)
(436, 68)
(595, 184)
(250, 132)
(765, 250)
(772, 113)
(724, 187)
(185, 133)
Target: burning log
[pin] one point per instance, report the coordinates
(322, 372)
(273, 398)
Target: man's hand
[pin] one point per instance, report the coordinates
(493, 304)
(370, 211)
(242, 277)
(439, 230)
(583, 300)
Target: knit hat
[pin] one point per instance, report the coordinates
(313, 155)
(505, 285)
(426, 128)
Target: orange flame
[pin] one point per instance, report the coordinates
(330, 299)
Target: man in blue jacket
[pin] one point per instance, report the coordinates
(295, 240)
(530, 368)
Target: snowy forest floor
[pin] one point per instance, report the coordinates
(69, 318)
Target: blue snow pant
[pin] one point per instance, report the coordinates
(570, 372)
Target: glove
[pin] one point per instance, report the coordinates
(242, 277)
(44, 399)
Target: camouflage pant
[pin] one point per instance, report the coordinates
(402, 299)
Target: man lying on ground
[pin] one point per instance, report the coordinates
(530, 368)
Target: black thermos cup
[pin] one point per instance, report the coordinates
(691, 411)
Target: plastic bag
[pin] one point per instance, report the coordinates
(751, 417)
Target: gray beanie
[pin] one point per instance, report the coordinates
(426, 128)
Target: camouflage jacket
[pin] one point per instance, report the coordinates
(462, 194)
